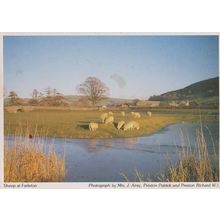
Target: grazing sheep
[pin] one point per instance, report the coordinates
(136, 115)
(149, 114)
(103, 117)
(136, 125)
(93, 126)
(120, 124)
(131, 126)
(110, 113)
(132, 113)
(109, 120)
(128, 126)
(123, 113)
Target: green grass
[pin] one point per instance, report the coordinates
(208, 100)
(74, 124)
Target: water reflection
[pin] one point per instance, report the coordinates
(130, 142)
(103, 159)
(106, 142)
(92, 146)
(95, 145)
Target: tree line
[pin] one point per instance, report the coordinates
(92, 89)
(49, 97)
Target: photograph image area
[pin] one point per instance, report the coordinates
(111, 108)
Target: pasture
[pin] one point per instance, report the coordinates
(74, 123)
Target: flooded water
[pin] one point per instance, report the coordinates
(104, 160)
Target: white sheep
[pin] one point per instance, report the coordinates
(120, 124)
(131, 126)
(103, 117)
(110, 113)
(149, 114)
(132, 113)
(137, 115)
(109, 120)
(123, 113)
(93, 126)
(136, 125)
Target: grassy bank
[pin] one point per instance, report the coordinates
(74, 124)
(26, 163)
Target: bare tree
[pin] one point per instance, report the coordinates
(52, 98)
(55, 92)
(35, 94)
(5, 93)
(13, 97)
(41, 95)
(93, 89)
(35, 97)
(48, 91)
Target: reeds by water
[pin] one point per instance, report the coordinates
(26, 161)
(194, 165)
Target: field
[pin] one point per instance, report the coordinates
(74, 123)
(34, 165)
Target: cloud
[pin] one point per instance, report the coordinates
(119, 80)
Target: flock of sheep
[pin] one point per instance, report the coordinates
(108, 118)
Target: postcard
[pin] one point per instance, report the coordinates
(110, 110)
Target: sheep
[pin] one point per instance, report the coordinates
(120, 124)
(103, 117)
(136, 115)
(109, 120)
(131, 126)
(127, 126)
(149, 114)
(136, 125)
(123, 113)
(110, 113)
(93, 126)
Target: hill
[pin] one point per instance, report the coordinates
(107, 101)
(203, 89)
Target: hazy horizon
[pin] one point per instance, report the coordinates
(131, 66)
(114, 96)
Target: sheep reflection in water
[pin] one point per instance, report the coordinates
(129, 142)
(95, 145)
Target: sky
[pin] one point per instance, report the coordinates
(131, 66)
